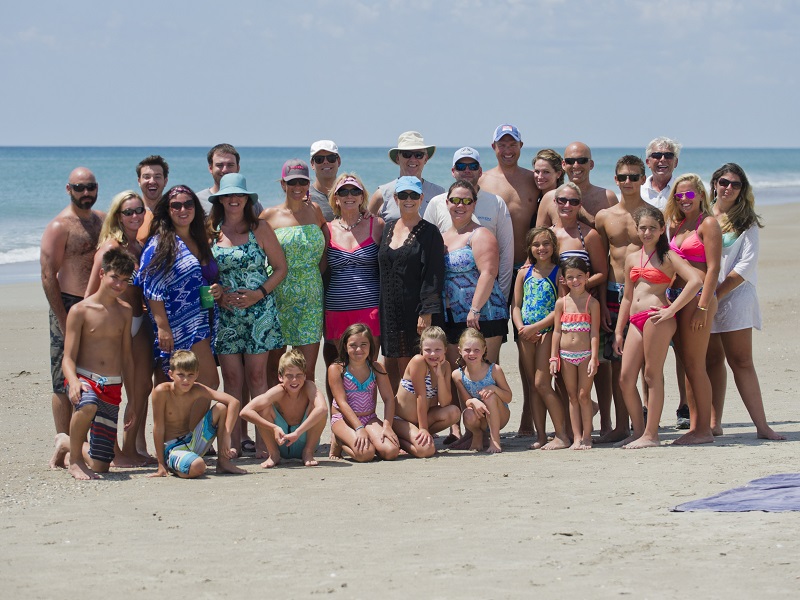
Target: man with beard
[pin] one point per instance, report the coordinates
(67, 254)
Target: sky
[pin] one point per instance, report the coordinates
(194, 73)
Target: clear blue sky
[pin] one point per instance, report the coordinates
(611, 73)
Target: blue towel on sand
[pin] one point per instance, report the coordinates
(776, 493)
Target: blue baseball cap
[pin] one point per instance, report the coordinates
(506, 129)
(408, 183)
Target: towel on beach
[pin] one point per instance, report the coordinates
(776, 493)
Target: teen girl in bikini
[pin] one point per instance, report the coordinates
(575, 346)
(648, 274)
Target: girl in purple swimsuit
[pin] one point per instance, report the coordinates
(648, 274)
(355, 380)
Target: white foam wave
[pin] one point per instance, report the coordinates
(18, 255)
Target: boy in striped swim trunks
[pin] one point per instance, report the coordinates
(185, 423)
(97, 359)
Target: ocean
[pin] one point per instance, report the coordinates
(34, 191)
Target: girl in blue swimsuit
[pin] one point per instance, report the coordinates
(483, 389)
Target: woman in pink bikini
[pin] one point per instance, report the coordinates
(696, 237)
(648, 274)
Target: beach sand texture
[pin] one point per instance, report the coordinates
(518, 525)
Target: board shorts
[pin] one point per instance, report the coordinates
(105, 394)
(180, 453)
(57, 345)
(296, 449)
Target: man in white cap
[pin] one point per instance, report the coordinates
(490, 211)
(325, 161)
(410, 155)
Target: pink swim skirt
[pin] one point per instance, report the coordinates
(336, 321)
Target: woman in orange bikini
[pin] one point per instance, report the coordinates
(648, 274)
(696, 237)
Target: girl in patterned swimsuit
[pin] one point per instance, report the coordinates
(483, 390)
(576, 341)
(424, 401)
(355, 380)
(535, 294)
(648, 274)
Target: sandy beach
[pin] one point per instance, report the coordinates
(518, 525)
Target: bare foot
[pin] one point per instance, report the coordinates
(769, 434)
(582, 444)
(58, 460)
(692, 437)
(716, 430)
(524, 432)
(148, 460)
(642, 442)
(226, 466)
(81, 471)
(557, 444)
(336, 448)
(539, 443)
(613, 436)
(309, 460)
(494, 448)
(123, 461)
(269, 463)
(628, 440)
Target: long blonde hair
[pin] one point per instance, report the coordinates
(112, 225)
(672, 212)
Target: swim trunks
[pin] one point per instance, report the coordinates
(296, 449)
(180, 453)
(57, 344)
(104, 393)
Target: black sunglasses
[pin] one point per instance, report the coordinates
(409, 154)
(473, 166)
(132, 211)
(331, 158)
(581, 160)
(407, 195)
(737, 185)
(80, 187)
(571, 201)
(177, 206)
(344, 192)
(294, 182)
(660, 155)
(631, 176)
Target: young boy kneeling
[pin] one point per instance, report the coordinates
(183, 415)
(290, 416)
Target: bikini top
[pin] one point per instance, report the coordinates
(649, 274)
(577, 322)
(430, 391)
(692, 248)
(576, 253)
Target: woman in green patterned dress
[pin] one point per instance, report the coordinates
(303, 235)
(244, 247)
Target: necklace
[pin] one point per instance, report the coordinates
(353, 226)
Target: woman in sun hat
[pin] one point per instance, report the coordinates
(411, 155)
(243, 246)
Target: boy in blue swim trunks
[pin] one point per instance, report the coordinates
(97, 359)
(290, 416)
(185, 423)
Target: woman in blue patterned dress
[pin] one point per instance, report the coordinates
(301, 231)
(175, 264)
(248, 320)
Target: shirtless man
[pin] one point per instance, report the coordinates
(185, 423)
(67, 254)
(577, 164)
(662, 159)
(618, 232)
(97, 359)
(325, 161)
(517, 186)
(152, 174)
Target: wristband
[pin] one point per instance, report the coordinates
(359, 427)
(704, 309)
(475, 311)
(262, 290)
(557, 360)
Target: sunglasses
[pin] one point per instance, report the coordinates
(687, 195)
(132, 211)
(294, 182)
(464, 201)
(581, 160)
(345, 192)
(631, 176)
(571, 201)
(407, 195)
(722, 182)
(408, 154)
(177, 206)
(80, 187)
(473, 166)
(660, 155)
(331, 158)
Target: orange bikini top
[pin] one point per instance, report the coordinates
(649, 274)
(692, 248)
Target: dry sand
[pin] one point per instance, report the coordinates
(521, 524)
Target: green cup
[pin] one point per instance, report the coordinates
(206, 299)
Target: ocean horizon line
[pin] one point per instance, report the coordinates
(374, 147)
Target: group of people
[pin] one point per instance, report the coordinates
(597, 288)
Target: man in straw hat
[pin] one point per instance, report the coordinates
(411, 154)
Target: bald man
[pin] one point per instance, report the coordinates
(67, 253)
(577, 164)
